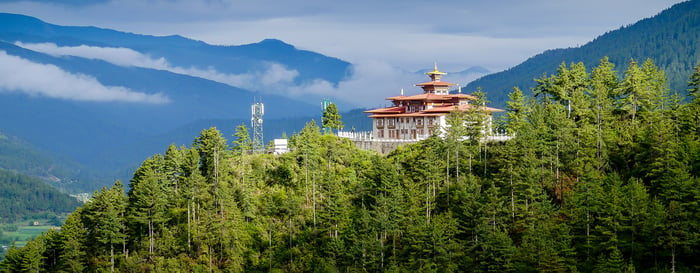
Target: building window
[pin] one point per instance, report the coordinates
(431, 121)
(419, 122)
(391, 123)
(380, 123)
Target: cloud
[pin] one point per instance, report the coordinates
(270, 80)
(370, 83)
(408, 34)
(35, 79)
(273, 77)
(116, 55)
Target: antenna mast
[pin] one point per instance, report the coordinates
(256, 122)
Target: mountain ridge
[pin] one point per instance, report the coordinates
(226, 58)
(669, 38)
(110, 135)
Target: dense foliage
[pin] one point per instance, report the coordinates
(24, 196)
(601, 176)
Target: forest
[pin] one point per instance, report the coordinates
(601, 175)
(30, 198)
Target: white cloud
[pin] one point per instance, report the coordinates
(270, 80)
(370, 83)
(35, 79)
(117, 55)
(275, 79)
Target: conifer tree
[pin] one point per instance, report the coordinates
(242, 143)
(147, 200)
(331, 118)
(105, 223)
(603, 83)
(72, 253)
(694, 85)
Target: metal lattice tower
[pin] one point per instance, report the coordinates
(256, 122)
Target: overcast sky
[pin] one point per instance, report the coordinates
(375, 35)
(409, 34)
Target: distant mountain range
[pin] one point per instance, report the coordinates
(671, 39)
(108, 99)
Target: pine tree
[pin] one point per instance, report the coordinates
(172, 168)
(33, 255)
(603, 83)
(331, 118)
(242, 143)
(631, 91)
(148, 200)
(694, 85)
(212, 149)
(105, 223)
(72, 253)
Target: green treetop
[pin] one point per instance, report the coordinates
(331, 118)
(242, 144)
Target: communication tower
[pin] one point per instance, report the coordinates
(256, 122)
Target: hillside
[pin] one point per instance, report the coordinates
(20, 156)
(570, 192)
(671, 39)
(22, 196)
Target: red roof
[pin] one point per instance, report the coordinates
(417, 114)
(432, 112)
(424, 96)
(396, 97)
(433, 97)
(387, 110)
(438, 83)
(463, 107)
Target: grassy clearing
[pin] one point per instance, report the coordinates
(26, 232)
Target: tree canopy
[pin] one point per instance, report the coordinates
(331, 119)
(601, 175)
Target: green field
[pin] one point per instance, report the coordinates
(24, 233)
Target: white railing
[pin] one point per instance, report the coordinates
(364, 135)
(367, 136)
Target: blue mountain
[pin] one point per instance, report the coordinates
(178, 50)
(114, 136)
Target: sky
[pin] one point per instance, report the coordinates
(379, 37)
